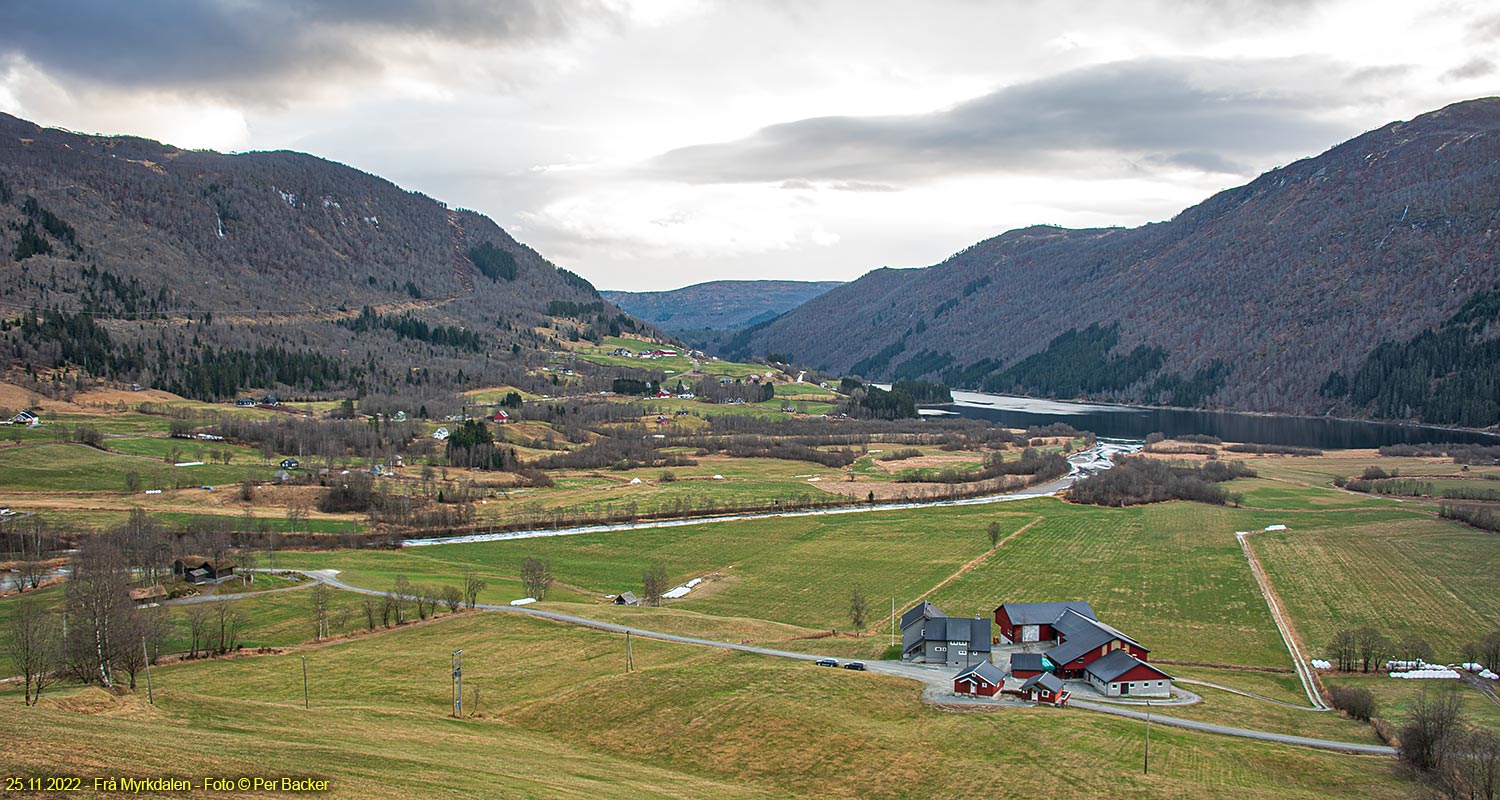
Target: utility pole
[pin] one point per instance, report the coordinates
(1146, 766)
(893, 622)
(306, 701)
(629, 654)
(150, 695)
(458, 683)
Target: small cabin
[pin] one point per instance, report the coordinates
(290, 463)
(148, 596)
(245, 402)
(196, 569)
(981, 680)
(627, 599)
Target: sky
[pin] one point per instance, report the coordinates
(652, 144)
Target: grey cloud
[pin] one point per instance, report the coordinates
(231, 47)
(1473, 68)
(1210, 115)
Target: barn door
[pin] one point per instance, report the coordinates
(1030, 633)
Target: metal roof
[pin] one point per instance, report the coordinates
(1044, 613)
(923, 610)
(1081, 634)
(1046, 680)
(1116, 664)
(985, 671)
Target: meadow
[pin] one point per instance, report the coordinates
(685, 722)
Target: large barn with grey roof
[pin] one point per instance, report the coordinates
(1083, 648)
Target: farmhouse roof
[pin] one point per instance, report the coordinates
(1118, 663)
(1032, 662)
(923, 610)
(976, 632)
(985, 671)
(1046, 680)
(1044, 613)
(1081, 634)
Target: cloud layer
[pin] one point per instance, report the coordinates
(1203, 115)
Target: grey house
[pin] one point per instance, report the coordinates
(928, 636)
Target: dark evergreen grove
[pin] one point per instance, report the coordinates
(1448, 376)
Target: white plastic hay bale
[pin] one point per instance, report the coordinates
(694, 582)
(1488, 675)
(635, 481)
(525, 601)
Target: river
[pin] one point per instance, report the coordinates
(1135, 422)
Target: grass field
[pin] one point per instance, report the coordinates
(687, 722)
(79, 468)
(1408, 576)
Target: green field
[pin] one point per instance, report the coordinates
(79, 468)
(687, 722)
(1406, 576)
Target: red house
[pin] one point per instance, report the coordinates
(1045, 688)
(981, 680)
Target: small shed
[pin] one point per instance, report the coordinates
(290, 463)
(148, 596)
(245, 402)
(981, 680)
(1028, 665)
(1045, 688)
(627, 599)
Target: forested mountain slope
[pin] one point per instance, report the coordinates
(718, 305)
(208, 274)
(1256, 298)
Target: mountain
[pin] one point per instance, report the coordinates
(209, 274)
(718, 305)
(1272, 296)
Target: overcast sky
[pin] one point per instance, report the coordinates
(650, 144)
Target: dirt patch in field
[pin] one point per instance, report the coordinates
(112, 397)
(919, 462)
(98, 702)
(887, 492)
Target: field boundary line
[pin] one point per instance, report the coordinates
(976, 561)
(1284, 625)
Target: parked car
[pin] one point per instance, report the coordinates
(857, 665)
(827, 662)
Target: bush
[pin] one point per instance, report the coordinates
(1272, 450)
(901, 455)
(1138, 480)
(1356, 701)
(1374, 474)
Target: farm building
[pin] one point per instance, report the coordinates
(1032, 622)
(245, 402)
(627, 599)
(1028, 665)
(1045, 688)
(929, 636)
(196, 569)
(983, 679)
(290, 463)
(148, 596)
(1120, 674)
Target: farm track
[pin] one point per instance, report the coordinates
(1288, 635)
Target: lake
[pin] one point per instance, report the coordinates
(1135, 422)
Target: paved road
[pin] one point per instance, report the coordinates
(930, 677)
(1322, 744)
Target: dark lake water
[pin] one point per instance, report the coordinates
(1130, 422)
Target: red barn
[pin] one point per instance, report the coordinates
(983, 679)
(1033, 622)
(1121, 674)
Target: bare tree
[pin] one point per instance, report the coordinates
(230, 622)
(1342, 650)
(536, 577)
(473, 585)
(371, 606)
(401, 598)
(199, 617)
(141, 635)
(320, 601)
(1431, 725)
(1475, 773)
(1489, 650)
(452, 597)
(296, 512)
(98, 602)
(654, 584)
(35, 647)
(1412, 648)
(1371, 646)
(246, 560)
(858, 610)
